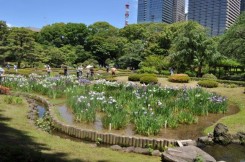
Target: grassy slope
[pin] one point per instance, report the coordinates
(234, 122)
(18, 134)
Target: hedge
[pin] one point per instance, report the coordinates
(208, 83)
(148, 79)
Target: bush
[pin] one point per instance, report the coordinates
(190, 73)
(134, 77)
(209, 76)
(208, 83)
(148, 70)
(179, 78)
(148, 79)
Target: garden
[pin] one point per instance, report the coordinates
(150, 109)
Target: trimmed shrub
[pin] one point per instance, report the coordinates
(179, 78)
(134, 77)
(209, 76)
(208, 83)
(148, 79)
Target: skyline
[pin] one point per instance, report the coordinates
(27, 13)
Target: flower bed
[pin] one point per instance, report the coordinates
(148, 108)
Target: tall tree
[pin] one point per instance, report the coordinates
(232, 43)
(192, 48)
(3, 40)
(21, 41)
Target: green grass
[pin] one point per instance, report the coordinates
(22, 141)
(236, 122)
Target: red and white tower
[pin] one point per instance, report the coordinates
(126, 14)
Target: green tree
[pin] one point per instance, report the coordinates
(21, 42)
(232, 43)
(3, 41)
(192, 48)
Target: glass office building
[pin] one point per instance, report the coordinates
(167, 11)
(242, 5)
(216, 15)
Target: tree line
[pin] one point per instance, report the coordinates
(186, 46)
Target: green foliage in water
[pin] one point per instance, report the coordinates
(45, 123)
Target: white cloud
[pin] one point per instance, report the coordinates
(9, 25)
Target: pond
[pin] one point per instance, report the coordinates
(229, 153)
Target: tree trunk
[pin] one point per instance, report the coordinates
(199, 73)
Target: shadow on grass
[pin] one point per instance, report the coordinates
(15, 145)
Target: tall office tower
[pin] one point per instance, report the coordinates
(179, 10)
(217, 15)
(167, 11)
(242, 5)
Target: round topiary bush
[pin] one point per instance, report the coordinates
(148, 79)
(208, 83)
(134, 77)
(209, 76)
(179, 78)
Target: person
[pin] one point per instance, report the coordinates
(15, 68)
(48, 70)
(113, 71)
(8, 66)
(107, 69)
(88, 71)
(79, 71)
(171, 71)
(65, 71)
(92, 71)
(1, 74)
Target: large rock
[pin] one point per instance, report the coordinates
(221, 134)
(185, 154)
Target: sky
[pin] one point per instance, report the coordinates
(39, 13)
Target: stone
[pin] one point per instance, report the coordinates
(221, 134)
(205, 140)
(129, 149)
(156, 153)
(116, 147)
(185, 154)
(140, 150)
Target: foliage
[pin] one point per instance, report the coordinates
(151, 70)
(155, 62)
(148, 80)
(45, 123)
(150, 106)
(231, 43)
(134, 77)
(13, 100)
(209, 76)
(208, 83)
(192, 47)
(179, 78)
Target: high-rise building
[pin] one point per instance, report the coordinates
(242, 5)
(179, 10)
(217, 15)
(167, 11)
